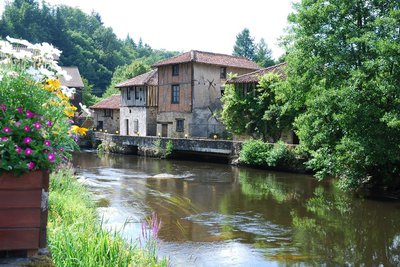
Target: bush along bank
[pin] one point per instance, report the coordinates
(276, 156)
(76, 236)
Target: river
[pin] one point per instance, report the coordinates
(220, 215)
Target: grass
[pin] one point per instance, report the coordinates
(76, 236)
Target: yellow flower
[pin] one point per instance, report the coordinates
(78, 130)
(52, 85)
(70, 110)
(61, 95)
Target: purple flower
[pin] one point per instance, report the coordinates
(3, 138)
(27, 140)
(51, 157)
(61, 149)
(18, 149)
(6, 129)
(29, 114)
(49, 123)
(76, 138)
(19, 109)
(47, 143)
(71, 121)
(28, 151)
(3, 107)
(27, 128)
(17, 123)
(37, 125)
(31, 165)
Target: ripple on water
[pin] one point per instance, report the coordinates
(246, 222)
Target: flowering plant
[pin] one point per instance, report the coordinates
(36, 130)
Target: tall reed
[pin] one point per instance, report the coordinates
(75, 233)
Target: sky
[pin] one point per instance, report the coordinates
(179, 25)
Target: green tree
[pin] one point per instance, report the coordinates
(255, 112)
(344, 80)
(263, 55)
(88, 98)
(123, 73)
(244, 45)
(83, 38)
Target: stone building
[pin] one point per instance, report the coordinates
(139, 105)
(106, 114)
(190, 86)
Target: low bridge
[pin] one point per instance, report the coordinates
(181, 146)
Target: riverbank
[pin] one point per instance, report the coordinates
(75, 233)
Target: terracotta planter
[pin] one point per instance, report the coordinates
(23, 211)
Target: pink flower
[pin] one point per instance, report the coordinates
(27, 128)
(17, 123)
(28, 151)
(6, 129)
(31, 165)
(29, 114)
(3, 107)
(27, 140)
(49, 123)
(47, 143)
(61, 149)
(19, 109)
(37, 125)
(51, 157)
(3, 139)
(18, 149)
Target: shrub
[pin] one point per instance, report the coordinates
(258, 153)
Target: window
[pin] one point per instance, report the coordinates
(222, 88)
(175, 70)
(223, 72)
(107, 112)
(180, 125)
(136, 93)
(175, 94)
(136, 126)
(128, 93)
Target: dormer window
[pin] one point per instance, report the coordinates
(223, 72)
(175, 70)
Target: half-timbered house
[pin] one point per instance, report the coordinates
(190, 87)
(139, 104)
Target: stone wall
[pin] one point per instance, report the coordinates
(111, 124)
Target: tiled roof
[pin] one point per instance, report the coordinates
(148, 78)
(76, 79)
(111, 102)
(255, 75)
(210, 58)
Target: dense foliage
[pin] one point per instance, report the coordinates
(255, 112)
(245, 47)
(84, 40)
(344, 82)
(258, 153)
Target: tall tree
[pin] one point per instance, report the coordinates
(344, 80)
(263, 55)
(244, 45)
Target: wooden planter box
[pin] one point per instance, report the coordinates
(23, 211)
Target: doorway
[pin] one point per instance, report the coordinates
(164, 130)
(127, 126)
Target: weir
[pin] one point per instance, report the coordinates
(208, 147)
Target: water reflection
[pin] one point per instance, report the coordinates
(218, 215)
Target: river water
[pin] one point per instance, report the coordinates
(219, 215)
